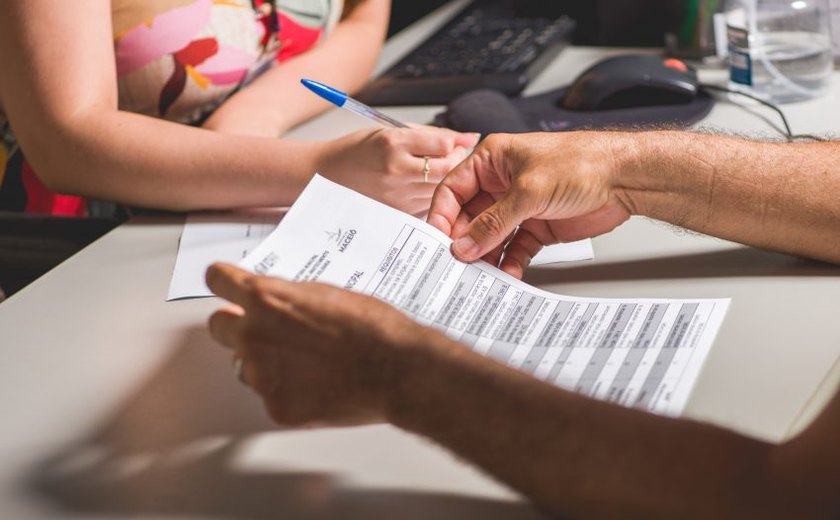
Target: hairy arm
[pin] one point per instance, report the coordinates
(780, 196)
(591, 459)
(516, 193)
(321, 355)
(276, 101)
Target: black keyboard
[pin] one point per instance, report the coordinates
(497, 44)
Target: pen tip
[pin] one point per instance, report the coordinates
(332, 95)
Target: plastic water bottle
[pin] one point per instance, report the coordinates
(779, 50)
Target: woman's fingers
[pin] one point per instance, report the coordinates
(436, 142)
(428, 169)
(439, 167)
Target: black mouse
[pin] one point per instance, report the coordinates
(631, 81)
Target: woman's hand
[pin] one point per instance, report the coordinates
(316, 354)
(388, 164)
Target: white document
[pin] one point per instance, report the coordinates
(568, 252)
(640, 353)
(228, 236)
(223, 236)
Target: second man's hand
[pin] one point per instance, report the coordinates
(518, 193)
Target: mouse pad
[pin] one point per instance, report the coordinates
(489, 111)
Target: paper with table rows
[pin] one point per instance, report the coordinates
(642, 353)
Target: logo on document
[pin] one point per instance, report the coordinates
(333, 236)
(342, 238)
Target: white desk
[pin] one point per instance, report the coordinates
(115, 404)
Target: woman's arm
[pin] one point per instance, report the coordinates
(60, 95)
(322, 355)
(276, 101)
(59, 91)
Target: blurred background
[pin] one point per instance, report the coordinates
(636, 23)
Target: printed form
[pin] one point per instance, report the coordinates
(642, 353)
(228, 236)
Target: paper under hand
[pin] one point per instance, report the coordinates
(642, 353)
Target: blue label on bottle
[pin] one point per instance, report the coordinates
(740, 67)
(740, 63)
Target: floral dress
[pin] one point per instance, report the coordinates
(178, 60)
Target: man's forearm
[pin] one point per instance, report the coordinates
(574, 455)
(780, 196)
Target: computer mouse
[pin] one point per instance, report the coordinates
(631, 81)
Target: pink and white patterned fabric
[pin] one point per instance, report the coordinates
(183, 57)
(178, 60)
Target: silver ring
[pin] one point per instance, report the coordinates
(427, 169)
(237, 369)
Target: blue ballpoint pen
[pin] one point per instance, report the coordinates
(341, 99)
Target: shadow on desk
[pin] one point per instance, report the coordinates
(208, 488)
(174, 447)
(731, 263)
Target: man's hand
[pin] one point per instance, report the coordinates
(315, 353)
(517, 193)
